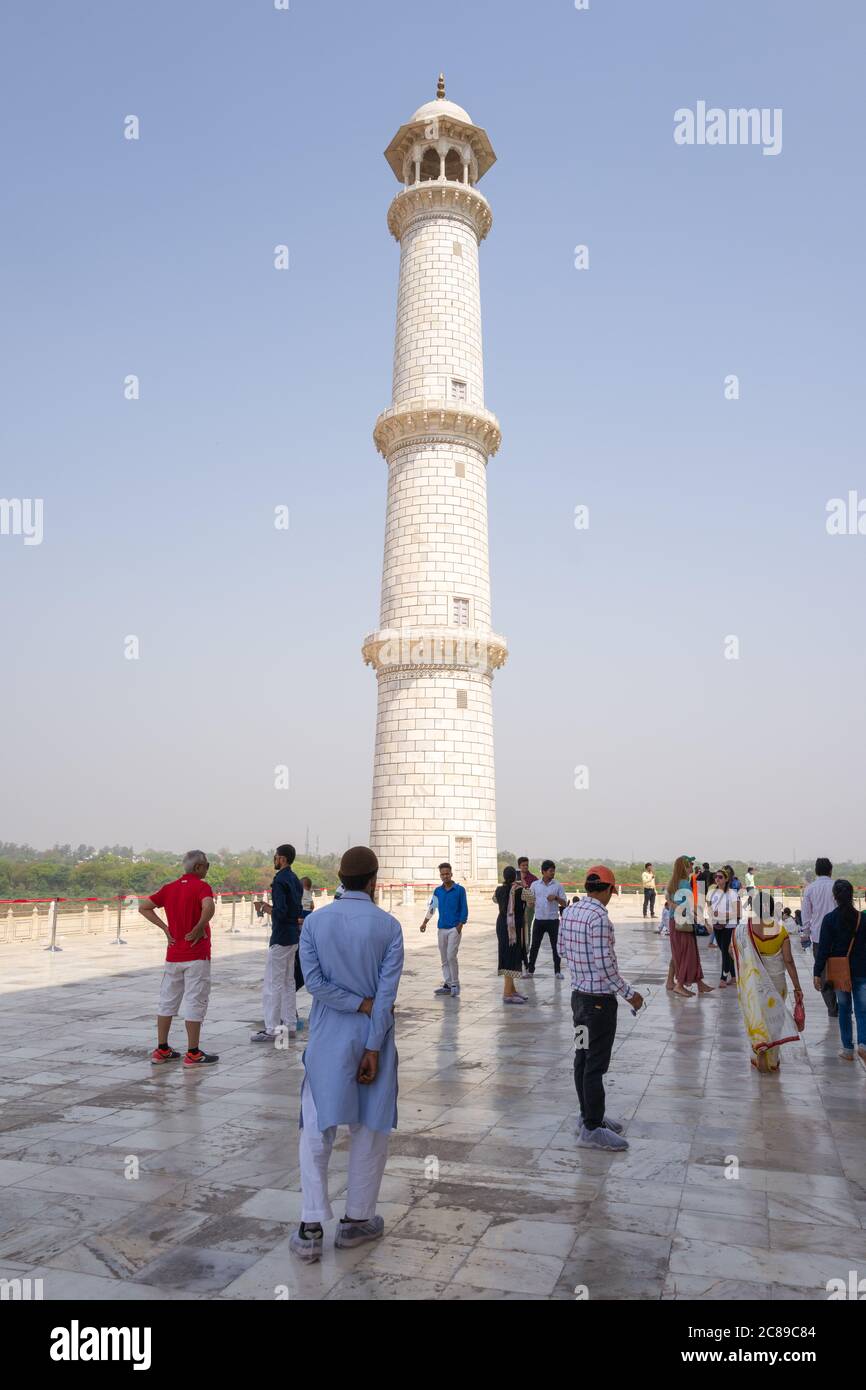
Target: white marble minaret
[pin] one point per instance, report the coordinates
(434, 653)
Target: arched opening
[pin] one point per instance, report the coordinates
(454, 166)
(430, 164)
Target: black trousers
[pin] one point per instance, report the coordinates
(723, 941)
(539, 931)
(827, 991)
(649, 901)
(596, 1013)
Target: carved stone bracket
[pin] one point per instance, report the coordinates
(420, 419)
(440, 198)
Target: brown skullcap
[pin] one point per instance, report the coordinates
(357, 861)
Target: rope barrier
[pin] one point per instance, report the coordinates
(388, 884)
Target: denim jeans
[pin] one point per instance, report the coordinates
(844, 1000)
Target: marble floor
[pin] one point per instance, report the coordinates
(118, 1182)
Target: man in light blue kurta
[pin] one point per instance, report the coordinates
(352, 960)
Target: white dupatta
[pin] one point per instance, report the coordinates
(769, 1022)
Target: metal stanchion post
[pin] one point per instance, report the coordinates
(118, 940)
(233, 930)
(53, 944)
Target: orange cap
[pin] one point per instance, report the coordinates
(601, 871)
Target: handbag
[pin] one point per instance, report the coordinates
(839, 967)
(800, 1015)
(674, 918)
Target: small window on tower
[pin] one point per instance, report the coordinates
(460, 468)
(462, 857)
(461, 699)
(457, 248)
(460, 612)
(458, 389)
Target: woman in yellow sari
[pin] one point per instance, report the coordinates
(762, 952)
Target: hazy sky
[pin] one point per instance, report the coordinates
(260, 388)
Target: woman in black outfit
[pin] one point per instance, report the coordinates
(509, 933)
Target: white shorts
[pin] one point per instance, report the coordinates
(185, 989)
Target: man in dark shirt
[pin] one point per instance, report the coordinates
(286, 913)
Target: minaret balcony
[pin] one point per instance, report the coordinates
(428, 649)
(440, 198)
(428, 418)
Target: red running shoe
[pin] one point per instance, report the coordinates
(163, 1054)
(200, 1059)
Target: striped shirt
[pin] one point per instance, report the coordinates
(586, 941)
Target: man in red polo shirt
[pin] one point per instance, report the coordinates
(189, 906)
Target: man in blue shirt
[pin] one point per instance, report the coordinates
(286, 913)
(449, 899)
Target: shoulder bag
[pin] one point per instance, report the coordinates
(839, 967)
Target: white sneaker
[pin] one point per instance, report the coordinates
(455, 990)
(262, 1036)
(559, 975)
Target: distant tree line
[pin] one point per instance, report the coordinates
(84, 871)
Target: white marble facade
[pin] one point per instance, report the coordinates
(434, 652)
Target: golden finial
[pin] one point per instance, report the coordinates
(440, 87)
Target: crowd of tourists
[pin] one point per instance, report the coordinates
(349, 956)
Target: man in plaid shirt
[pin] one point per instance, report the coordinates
(586, 942)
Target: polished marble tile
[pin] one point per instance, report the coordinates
(512, 1272)
(422, 1259)
(534, 1237)
(383, 1287)
(195, 1269)
(442, 1224)
(515, 1210)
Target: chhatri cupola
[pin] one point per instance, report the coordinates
(440, 144)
